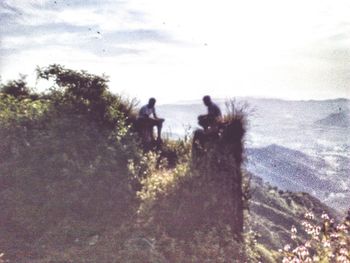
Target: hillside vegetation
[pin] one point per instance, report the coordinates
(76, 185)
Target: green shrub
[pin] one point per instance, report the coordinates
(63, 158)
(16, 88)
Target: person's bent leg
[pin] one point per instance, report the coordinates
(152, 123)
(159, 128)
(203, 121)
(151, 129)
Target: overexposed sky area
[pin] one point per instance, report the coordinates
(184, 49)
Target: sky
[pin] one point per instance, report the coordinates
(184, 49)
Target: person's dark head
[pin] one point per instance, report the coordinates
(151, 102)
(207, 100)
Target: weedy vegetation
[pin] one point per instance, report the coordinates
(76, 185)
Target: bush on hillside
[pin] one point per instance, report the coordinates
(63, 159)
(16, 88)
(87, 94)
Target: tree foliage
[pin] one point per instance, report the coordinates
(82, 93)
(16, 88)
(63, 155)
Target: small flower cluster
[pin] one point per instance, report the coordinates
(326, 243)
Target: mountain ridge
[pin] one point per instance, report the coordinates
(338, 119)
(199, 101)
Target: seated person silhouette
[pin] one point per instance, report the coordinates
(211, 120)
(147, 122)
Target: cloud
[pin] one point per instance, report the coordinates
(106, 15)
(31, 30)
(127, 36)
(102, 28)
(271, 48)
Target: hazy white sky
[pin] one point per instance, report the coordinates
(184, 49)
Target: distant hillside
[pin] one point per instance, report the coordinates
(274, 211)
(339, 119)
(311, 157)
(287, 168)
(296, 171)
